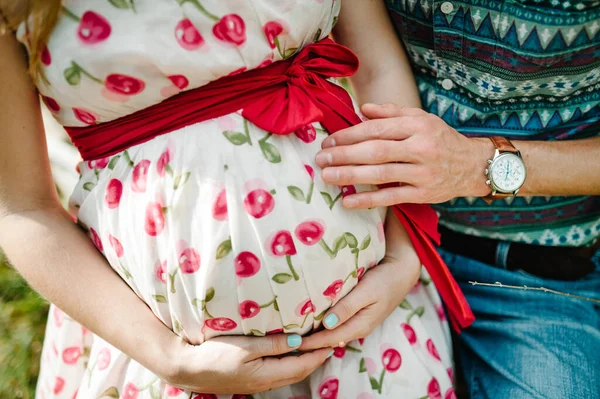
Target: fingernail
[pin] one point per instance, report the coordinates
(294, 340)
(330, 142)
(324, 159)
(331, 320)
(330, 176)
(350, 202)
(329, 354)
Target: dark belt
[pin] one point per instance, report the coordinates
(556, 263)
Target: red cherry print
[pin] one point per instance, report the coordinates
(161, 271)
(130, 391)
(282, 244)
(329, 388)
(360, 272)
(140, 176)
(440, 312)
(221, 324)
(116, 245)
(123, 84)
(114, 190)
(391, 360)
(180, 81)
(71, 355)
(310, 232)
(334, 289)
(246, 264)
(348, 190)
(96, 239)
(103, 359)
(339, 352)
(205, 396)
(51, 104)
(310, 170)
(411, 336)
(450, 394)
(45, 57)
(307, 133)
(450, 373)
(249, 309)
(173, 391)
(433, 389)
(85, 116)
(98, 163)
(93, 28)
(189, 261)
(58, 316)
(276, 331)
(272, 30)
(361, 341)
(59, 385)
(265, 63)
(155, 219)
(432, 349)
(163, 161)
(231, 29)
(259, 203)
(188, 36)
(238, 71)
(305, 307)
(220, 206)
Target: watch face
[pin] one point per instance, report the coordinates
(508, 172)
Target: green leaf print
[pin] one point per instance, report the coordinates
(362, 367)
(351, 240)
(113, 162)
(210, 294)
(154, 392)
(327, 198)
(275, 305)
(297, 193)
(289, 52)
(159, 298)
(224, 249)
(374, 383)
(318, 35)
(123, 4)
(181, 180)
(111, 392)
(235, 138)
(405, 305)
(89, 186)
(257, 333)
(72, 75)
(282, 278)
(365, 243)
(339, 244)
(270, 152)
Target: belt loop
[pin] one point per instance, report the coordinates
(502, 253)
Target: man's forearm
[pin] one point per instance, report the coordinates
(570, 167)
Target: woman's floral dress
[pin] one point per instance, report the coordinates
(220, 227)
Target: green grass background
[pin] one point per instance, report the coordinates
(22, 322)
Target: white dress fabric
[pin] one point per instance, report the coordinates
(220, 227)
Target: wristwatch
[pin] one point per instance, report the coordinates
(506, 171)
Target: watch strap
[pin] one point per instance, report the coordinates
(503, 144)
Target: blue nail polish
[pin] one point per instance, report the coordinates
(331, 320)
(329, 354)
(294, 340)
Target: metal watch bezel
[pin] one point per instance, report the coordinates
(491, 162)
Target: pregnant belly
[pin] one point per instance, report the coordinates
(222, 228)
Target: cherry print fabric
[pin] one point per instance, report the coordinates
(220, 227)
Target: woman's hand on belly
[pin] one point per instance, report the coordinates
(240, 364)
(376, 295)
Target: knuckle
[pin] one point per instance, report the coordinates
(374, 129)
(378, 152)
(384, 173)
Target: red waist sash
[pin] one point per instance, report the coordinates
(279, 98)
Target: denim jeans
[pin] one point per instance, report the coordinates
(528, 343)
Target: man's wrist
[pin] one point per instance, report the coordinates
(482, 150)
